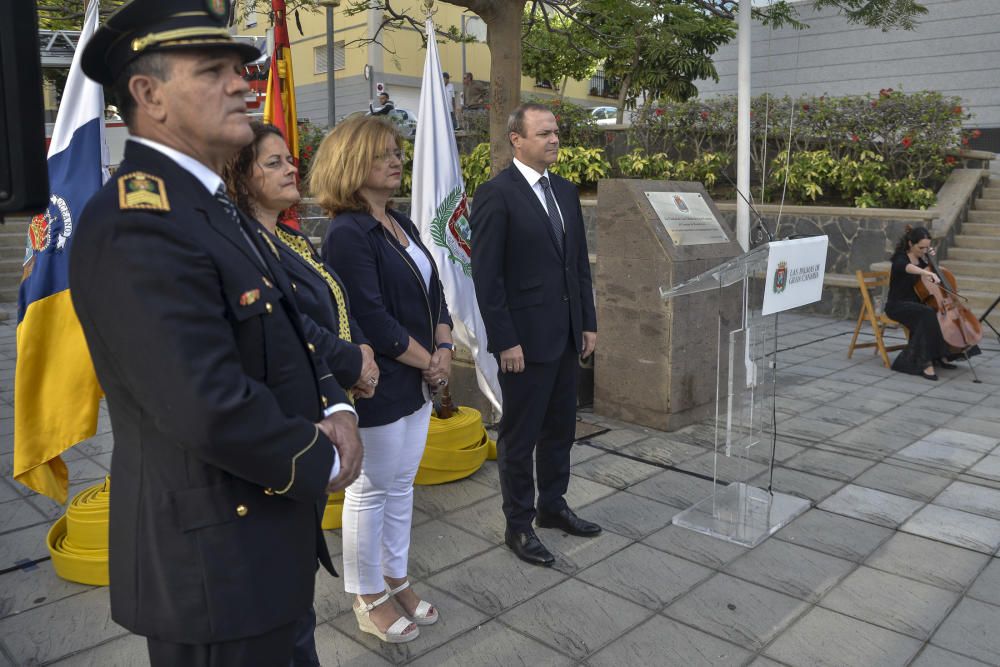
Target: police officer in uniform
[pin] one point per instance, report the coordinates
(226, 436)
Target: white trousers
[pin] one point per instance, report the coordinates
(378, 506)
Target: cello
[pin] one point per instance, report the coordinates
(959, 327)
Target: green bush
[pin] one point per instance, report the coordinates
(891, 136)
(581, 166)
(476, 167)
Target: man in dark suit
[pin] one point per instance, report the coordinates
(533, 284)
(226, 437)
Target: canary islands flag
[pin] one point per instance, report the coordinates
(56, 392)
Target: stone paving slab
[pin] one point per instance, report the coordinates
(827, 639)
(743, 613)
(890, 601)
(932, 562)
(972, 630)
(871, 575)
(662, 641)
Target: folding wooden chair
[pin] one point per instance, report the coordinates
(868, 281)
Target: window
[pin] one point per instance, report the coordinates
(319, 57)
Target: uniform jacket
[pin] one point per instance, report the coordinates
(218, 467)
(529, 293)
(390, 302)
(316, 301)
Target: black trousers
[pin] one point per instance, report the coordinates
(271, 649)
(539, 417)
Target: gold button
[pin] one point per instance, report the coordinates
(241, 510)
(312, 348)
(268, 307)
(267, 283)
(324, 400)
(268, 492)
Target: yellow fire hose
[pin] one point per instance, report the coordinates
(456, 448)
(78, 541)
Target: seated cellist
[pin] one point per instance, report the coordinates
(926, 347)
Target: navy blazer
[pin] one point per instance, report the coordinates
(391, 304)
(315, 300)
(529, 292)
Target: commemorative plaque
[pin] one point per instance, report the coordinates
(687, 218)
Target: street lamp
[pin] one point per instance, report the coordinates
(331, 101)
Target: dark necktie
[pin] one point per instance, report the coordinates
(554, 220)
(234, 216)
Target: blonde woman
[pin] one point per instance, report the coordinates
(398, 301)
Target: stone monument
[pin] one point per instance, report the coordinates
(656, 363)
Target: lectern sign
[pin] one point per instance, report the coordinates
(687, 218)
(795, 272)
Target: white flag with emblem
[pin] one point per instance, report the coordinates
(440, 210)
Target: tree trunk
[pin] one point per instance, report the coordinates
(622, 95)
(562, 89)
(503, 36)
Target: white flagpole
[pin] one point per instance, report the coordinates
(743, 126)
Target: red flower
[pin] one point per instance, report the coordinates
(907, 142)
(957, 111)
(309, 148)
(950, 159)
(874, 104)
(805, 107)
(658, 112)
(965, 141)
(557, 119)
(486, 106)
(976, 134)
(854, 137)
(704, 115)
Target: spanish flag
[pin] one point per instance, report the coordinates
(279, 107)
(56, 392)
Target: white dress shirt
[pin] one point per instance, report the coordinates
(534, 178)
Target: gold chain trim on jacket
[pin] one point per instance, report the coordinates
(301, 247)
(295, 460)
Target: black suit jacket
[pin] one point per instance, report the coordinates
(218, 466)
(529, 293)
(315, 299)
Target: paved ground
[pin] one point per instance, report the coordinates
(894, 564)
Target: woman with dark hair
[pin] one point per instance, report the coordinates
(399, 302)
(261, 182)
(926, 347)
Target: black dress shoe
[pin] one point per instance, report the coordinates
(569, 522)
(529, 548)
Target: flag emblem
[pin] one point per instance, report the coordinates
(39, 234)
(138, 190)
(780, 277)
(450, 229)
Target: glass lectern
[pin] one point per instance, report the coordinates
(744, 408)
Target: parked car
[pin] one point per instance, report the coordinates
(607, 116)
(405, 119)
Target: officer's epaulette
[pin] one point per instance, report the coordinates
(141, 191)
